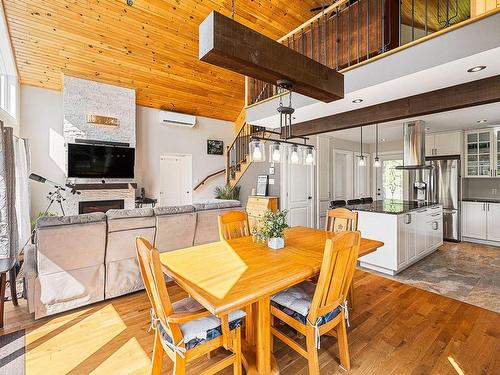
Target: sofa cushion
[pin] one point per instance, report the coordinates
(173, 210)
(51, 221)
(198, 331)
(122, 277)
(121, 244)
(126, 214)
(132, 223)
(217, 205)
(175, 231)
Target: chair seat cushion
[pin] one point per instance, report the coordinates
(198, 331)
(296, 302)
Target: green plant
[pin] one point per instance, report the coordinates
(227, 192)
(272, 224)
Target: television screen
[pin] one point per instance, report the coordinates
(95, 161)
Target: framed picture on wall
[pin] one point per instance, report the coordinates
(215, 147)
(262, 182)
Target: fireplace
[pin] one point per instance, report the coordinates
(86, 207)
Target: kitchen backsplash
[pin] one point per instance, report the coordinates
(481, 188)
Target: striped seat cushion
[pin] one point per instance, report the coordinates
(198, 331)
(296, 302)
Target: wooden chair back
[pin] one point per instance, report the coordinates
(156, 289)
(341, 220)
(233, 224)
(337, 271)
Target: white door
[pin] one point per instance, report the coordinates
(323, 168)
(493, 231)
(474, 219)
(389, 181)
(175, 180)
(342, 174)
(297, 189)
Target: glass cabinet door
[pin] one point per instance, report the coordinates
(479, 153)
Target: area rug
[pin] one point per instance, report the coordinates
(12, 353)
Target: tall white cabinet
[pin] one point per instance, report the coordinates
(482, 153)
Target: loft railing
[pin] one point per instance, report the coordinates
(350, 32)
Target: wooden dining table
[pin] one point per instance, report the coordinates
(229, 275)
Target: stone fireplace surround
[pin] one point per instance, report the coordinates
(81, 98)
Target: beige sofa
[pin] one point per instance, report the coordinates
(79, 260)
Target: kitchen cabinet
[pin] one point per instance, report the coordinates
(482, 148)
(445, 143)
(481, 220)
(343, 163)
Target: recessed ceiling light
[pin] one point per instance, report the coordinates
(481, 121)
(356, 101)
(382, 139)
(476, 68)
(427, 129)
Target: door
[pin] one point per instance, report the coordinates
(474, 219)
(323, 178)
(493, 220)
(297, 189)
(389, 180)
(342, 174)
(175, 180)
(362, 185)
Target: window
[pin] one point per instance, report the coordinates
(392, 179)
(9, 85)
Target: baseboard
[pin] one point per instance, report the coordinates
(482, 242)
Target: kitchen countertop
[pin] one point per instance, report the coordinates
(485, 200)
(393, 207)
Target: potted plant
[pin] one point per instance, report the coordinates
(271, 227)
(227, 192)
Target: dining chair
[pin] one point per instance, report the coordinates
(233, 224)
(341, 220)
(184, 329)
(338, 203)
(318, 309)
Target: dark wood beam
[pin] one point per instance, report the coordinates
(233, 46)
(465, 95)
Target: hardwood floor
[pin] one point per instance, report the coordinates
(395, 329)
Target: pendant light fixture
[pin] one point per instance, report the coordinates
(362, 159)
(299, 153)
(376, 162)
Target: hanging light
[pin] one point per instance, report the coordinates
(362, 159)
(257, 151)
(376, 161)
(285, 111)
(295, 155)
(310, 158)
(275, 152)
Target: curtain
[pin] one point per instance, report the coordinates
(9, 244)
(22, 170)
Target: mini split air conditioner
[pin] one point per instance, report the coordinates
(177, 119)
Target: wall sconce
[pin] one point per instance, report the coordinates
(102, 120)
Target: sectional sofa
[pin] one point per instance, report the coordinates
(83, 259)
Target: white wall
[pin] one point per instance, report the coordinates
(41, 122)
(155, 139)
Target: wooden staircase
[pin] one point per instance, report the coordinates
(237, 157)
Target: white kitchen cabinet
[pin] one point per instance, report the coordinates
(496, 159)
(422, 219)
(474, 224)
(446, 143)
(362, 185)
(480, 152)
(493, 221)
(324, 178)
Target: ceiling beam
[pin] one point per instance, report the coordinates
(470, 94)
(228, 44)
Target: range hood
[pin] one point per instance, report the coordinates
(414, 146)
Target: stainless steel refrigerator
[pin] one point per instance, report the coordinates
(442, 184)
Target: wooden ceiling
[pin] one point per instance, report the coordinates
(151, 46)
(459, 10)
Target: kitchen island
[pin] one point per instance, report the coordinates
(409, 230)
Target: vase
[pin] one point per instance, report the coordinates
(276, 243)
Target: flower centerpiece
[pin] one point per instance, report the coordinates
(271, 227)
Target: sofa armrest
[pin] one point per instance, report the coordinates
(30, 269)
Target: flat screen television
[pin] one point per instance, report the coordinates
(100, 161)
